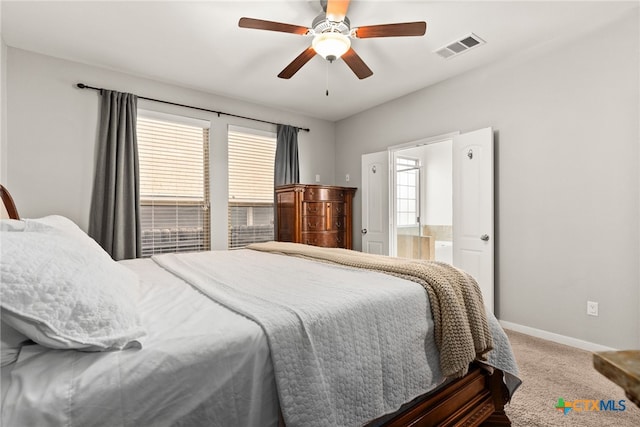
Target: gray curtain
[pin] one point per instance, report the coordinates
(114, 220)
(287, 169)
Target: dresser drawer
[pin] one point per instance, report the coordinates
(324, 194)
(313, 208)
(314, 223)
(337, 209)
(326, 239)
(338, 223)
(323, 208)
(323, 223)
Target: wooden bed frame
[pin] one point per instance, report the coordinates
(477, 399)
(8, 204)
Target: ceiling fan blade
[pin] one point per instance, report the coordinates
(297, 63)
(260, 24)
(392, 30)
(356, 64)
(337, 9)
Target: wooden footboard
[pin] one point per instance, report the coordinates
(477, 399)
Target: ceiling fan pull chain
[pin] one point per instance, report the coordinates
(327, 92)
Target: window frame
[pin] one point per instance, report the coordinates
(251, 206)
(417, 168)
(205, 202)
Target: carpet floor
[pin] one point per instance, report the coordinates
(550, 371)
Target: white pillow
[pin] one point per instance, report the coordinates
(60, 223)
(12, 225)
(60, 289)
(46, 223)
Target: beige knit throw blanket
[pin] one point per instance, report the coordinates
(460, 323)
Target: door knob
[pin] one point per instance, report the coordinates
(363, 231)
(484, 237)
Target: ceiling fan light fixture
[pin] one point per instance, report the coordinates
(331, 45)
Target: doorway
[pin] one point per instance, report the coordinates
(453, 211)
(422, 196)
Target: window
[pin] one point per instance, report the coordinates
(174, 183)
(407, 188)
(251, 163)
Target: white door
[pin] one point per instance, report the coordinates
(375, 203)
(473, 208)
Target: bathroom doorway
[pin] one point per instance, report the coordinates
(422, 195)
(454, 203)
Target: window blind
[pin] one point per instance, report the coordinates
(251, 163)
(174, 186)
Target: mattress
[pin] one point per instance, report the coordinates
(172, 380)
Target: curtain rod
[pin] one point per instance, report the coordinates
(219, 113)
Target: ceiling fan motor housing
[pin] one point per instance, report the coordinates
(323, 25)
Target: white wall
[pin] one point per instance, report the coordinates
(3, 107)
(567, 161)
(53, 134)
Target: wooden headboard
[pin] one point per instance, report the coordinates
(8, 208)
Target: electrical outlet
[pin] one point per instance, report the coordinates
(592, 308)
(347, 177)
(317, 177)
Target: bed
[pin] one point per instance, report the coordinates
(248, 337)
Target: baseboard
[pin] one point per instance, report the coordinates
(550, 336)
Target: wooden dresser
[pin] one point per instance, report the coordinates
(318, 215)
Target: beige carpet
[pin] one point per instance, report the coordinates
(550, 371)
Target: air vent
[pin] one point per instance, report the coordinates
(462, 45)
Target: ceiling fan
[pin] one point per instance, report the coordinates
(332, 34)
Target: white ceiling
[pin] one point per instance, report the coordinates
(199, 45)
